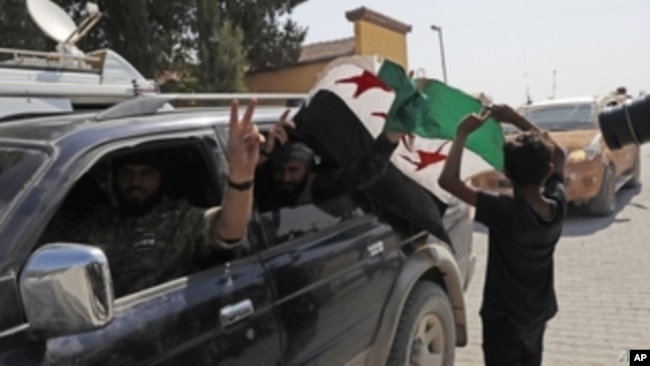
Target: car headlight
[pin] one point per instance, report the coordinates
(577, 156)
(581, 155)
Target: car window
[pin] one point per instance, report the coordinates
(17, 167)
(562, 117)
(284, 224)
(151, 233)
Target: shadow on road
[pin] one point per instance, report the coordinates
(579, 223)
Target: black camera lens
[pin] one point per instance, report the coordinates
(626, 124)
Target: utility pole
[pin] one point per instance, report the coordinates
(442, 51)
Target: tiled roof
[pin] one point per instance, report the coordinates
(327, 50)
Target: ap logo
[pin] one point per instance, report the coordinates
(639, 357)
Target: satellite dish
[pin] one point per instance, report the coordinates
(51, 19)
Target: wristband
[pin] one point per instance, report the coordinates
(240, 186)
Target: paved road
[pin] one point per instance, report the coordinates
(602, 269)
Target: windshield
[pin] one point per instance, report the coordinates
(17, 167)
(562, 117)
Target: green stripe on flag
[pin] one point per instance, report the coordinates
(435, 112)
(409, 106)
(447, 107)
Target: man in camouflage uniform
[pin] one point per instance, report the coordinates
(149, 239)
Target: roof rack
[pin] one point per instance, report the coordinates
(145, 105)
(113, 92)
(18, 58)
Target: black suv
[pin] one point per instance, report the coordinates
(311, 287)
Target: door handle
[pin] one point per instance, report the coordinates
(375, 248)
(231, 314)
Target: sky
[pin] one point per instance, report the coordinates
(508, 47)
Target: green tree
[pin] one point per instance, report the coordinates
(155, 35)
(271, 38)
(17, 30)
(221, 54)
(134, 29)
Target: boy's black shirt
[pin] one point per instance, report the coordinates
(519, 282)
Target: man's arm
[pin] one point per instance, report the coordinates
(243, 155)
(449, 179)
(360, 173)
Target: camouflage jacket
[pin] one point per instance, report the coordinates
(144, 251)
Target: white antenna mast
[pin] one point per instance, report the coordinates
(554, 84)
(529, 100)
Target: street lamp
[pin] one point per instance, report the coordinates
(442, 51)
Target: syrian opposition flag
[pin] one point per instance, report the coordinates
(365, 97)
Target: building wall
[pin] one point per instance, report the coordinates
(373, 39)
(296, 79)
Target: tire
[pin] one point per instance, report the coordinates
(635, 181)
(427, 312)
(604, 203)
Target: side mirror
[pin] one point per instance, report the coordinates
(67, 289)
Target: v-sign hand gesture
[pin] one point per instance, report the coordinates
(244, 143)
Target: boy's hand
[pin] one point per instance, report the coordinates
(504, 113)
(471, 123)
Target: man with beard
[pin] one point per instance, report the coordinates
(291, 179)
(149, 238)
(286, 170)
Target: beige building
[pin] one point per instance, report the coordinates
(374, 34)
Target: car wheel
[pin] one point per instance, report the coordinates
(426, 333)
(635, 181)
(604, 203)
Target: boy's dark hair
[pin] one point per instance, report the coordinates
(527, 158)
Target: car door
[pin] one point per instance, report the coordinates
(331, 276)
(220, 315)
(331, 266)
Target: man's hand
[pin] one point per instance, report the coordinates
(243, 144)
(278, 133)
(471, 123)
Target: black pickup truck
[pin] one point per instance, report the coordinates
(352, 288)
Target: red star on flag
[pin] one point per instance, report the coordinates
(427, 158)
(365, 82)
